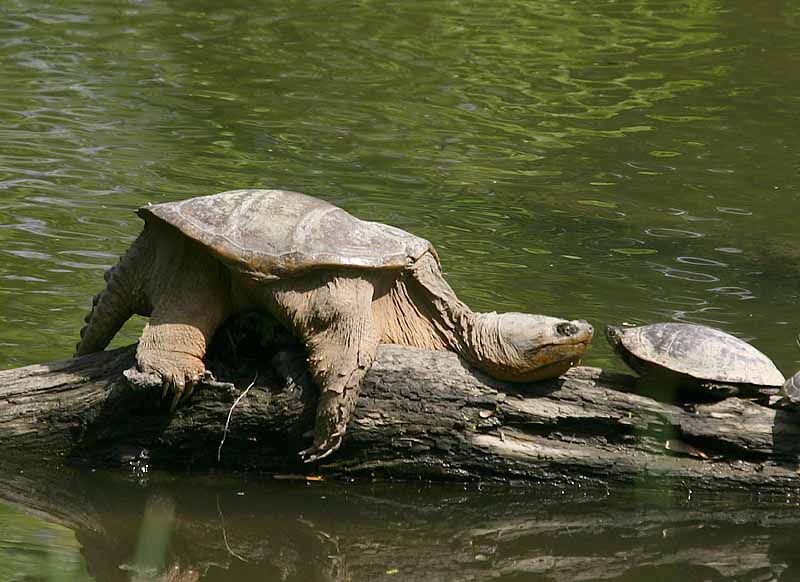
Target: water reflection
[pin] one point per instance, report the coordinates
(738, 211)
(206, 528)
(693, 276)
(672, 233)
(739, 292)
(700, 261)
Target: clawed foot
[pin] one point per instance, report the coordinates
(319, 451)
(176, 374)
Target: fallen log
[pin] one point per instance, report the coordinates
(422, 415)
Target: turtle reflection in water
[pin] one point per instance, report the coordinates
(339, 284)
(694, 362)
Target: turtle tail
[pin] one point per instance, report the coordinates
(115, 304)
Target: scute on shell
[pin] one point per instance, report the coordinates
(276, 233)
(702, 352)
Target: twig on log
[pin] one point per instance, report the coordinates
(230, 413)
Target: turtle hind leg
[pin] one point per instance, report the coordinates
(334, 319)
(121, 298)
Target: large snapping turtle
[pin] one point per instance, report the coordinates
(340, 284)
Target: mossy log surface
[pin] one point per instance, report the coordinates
(422, 415)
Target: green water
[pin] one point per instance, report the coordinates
(615, 161)
(116, 527)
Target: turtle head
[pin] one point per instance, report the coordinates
(613, 335)
(520, 347)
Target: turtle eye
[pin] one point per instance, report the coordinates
(566, 328)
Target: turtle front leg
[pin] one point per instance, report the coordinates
(185, 316)
(170, 356)
(335, 321)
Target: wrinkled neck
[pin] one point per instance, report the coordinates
(456, 325)
(474, 336)
(448, 318)
(481, 333)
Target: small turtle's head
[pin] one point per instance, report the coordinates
(529, 347)
(613, 335)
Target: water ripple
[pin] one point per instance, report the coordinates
(672, 233)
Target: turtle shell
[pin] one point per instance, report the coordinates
(270, 234)
(791, 389)
(698, 351)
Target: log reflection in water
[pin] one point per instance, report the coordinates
(226, 529)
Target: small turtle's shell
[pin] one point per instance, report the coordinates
(270, 234)
(791, 389)
(698, 351)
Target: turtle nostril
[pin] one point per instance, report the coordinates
(566, 329)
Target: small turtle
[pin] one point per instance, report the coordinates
(686, 357)
(339, 284)
(791, 391)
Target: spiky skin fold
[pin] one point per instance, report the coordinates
(340, 314)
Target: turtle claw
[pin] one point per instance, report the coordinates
(182, 390)
(179, 394)
(176, 374)
(173, 405)
(175, 388)
(171, 385)
(317, 452)
(165, 386)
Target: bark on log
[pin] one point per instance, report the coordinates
(422, 415)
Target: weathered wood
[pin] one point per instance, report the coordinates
(422, 415)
